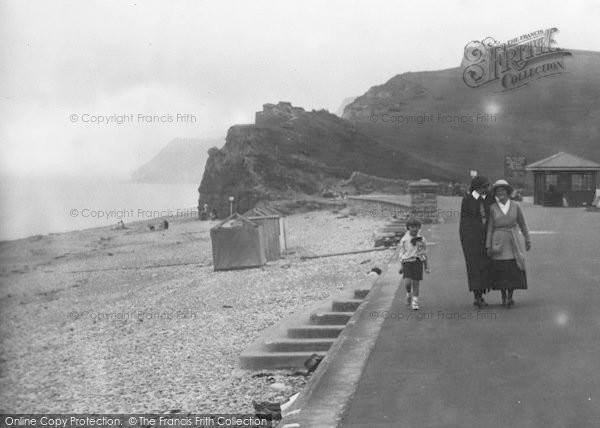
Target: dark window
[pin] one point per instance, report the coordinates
(588, 181)
(576, 181)
(551, 180)
(581, 181)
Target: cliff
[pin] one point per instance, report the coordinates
(180, 161)
(416, 125)
(289, 151)
(453, 128)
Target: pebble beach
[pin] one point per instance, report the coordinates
(137, 321)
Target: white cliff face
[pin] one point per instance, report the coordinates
(340, 111)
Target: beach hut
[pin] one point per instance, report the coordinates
(564, 179)
(274, 227)
(237, 243)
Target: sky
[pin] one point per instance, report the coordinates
(67, 65)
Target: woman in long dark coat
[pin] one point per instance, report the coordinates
(474, 212)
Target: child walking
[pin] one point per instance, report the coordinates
(413, 256)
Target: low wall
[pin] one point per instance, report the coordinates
(423, 200)
(399, 206)
(384, 206)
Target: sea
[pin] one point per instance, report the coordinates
(35, 206)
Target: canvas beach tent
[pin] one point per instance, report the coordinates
(237, 243)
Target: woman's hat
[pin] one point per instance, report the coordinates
(502, 183)
(479, 182)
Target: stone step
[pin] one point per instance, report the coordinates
(276, 360)
(330, 318)
(291, 342)
(315, 331)
(299, 345)
(349, 305)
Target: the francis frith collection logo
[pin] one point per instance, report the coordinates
(515, 63)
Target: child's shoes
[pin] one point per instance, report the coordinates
(415, 303)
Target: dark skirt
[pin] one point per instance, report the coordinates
(478, 263)
(478, 272)
(413, 270)
(506, 274)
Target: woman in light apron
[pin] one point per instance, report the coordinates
(503, 243)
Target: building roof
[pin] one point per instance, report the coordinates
(563, 161)
(235, 220)
(262, 212)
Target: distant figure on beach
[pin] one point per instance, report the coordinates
(474, 212)
(504, 245)
(119, 226)
(213, 214)
(204, 213)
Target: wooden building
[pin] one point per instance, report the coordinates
(564, 179)
(274, 226)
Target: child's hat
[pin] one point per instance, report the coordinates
(413, 221)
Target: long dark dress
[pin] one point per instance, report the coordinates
(472, 231)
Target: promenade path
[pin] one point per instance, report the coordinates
(534, 365)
